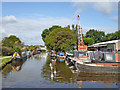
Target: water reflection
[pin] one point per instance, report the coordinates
(92, 77)
(6, 70)
(15, 65)
(57, 71)
(40, 71)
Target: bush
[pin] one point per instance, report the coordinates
(7, 51)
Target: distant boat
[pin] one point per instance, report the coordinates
(61, 56)
(61, 60)
(52, 53)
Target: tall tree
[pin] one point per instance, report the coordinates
(96, 35)
(47, 31)
(73, 27)
(61, 39)
(88, 41)
(11, 41)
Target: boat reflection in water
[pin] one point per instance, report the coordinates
(15, 65)
(59, 72)
(56, 71)
(97, 78)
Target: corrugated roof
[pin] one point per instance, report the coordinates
(104, 43)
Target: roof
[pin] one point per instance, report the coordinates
(104, 43)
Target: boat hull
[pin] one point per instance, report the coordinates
(19, 59)
(97, 69)
(61, 60)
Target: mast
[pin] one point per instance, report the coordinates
(80, 36)
(81, 45)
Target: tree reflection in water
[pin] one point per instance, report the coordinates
(60, 73)
(57, 71)
(15, 65)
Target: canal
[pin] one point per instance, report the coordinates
(39, 71)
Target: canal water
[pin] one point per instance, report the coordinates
(40, 71)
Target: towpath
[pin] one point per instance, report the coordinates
(5, 57)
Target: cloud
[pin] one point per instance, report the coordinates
(115, 18)
(29, 30)
(81, 6)
(8, 19)
(104, 7)
(105, 29)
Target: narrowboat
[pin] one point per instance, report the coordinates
(104, 63)
(52, 53)
(61, 56)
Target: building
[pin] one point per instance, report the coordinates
(113, 45)
(110, 50)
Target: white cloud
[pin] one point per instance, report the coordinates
(104, 7)
(115, 18)
(28, 30)
(8, 19)
(81, 6)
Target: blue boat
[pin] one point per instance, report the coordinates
(61, 60)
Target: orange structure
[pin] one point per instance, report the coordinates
(117, 55)
(81, 45)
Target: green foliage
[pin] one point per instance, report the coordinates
(11, 44)
(11, 41)
(117, 33)
(112, 36)
(68, 26)
(73, 27)
(25, 50)
(17, 49)
(88, 41)
(4, 61)
(47, 31)
(96, 35)
(44, 34)
(7, 51)
(42, 51)
(32, 47)
(61, 39)
(58, 38)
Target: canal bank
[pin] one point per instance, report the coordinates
(36, 72)
(4, 61)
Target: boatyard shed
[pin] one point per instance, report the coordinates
(113, 45)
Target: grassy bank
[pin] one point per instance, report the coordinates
(2, 56)
(4, 61)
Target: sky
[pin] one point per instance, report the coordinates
(27, 20)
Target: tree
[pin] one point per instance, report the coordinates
(73, 27)
(31, 47)
(117, 33)
(11, 41)
(44, 34)
(11, 44)
(61, 39)
(7, 51)
(96, 35)
(110, 36)
(47, 31)
(68, 26)
(88, 41)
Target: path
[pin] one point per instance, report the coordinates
(5, 57)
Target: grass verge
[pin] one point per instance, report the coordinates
(4, 61)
